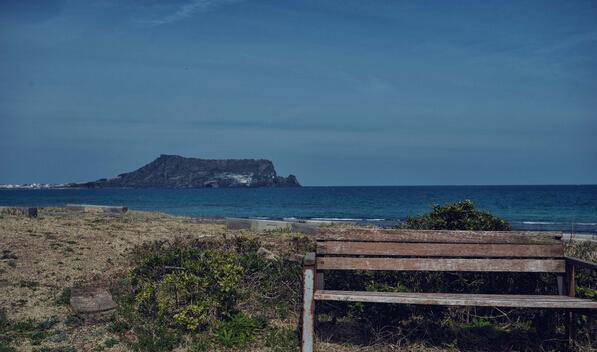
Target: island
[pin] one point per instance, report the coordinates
(174, 171)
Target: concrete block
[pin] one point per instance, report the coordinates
(90, 208)
(238, 224)
(310, 229)
(270, 225)
(19, 211)
(92, 303)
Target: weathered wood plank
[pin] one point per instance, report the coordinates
(440, 249)
(423, 264)
(453, 299)
(437, 236)
(580, 263)
(456, 295)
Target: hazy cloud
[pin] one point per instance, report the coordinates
(188, 9)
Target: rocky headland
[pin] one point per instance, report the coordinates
(173, 171)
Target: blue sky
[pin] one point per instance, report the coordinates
(336, 92)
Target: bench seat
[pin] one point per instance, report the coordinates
(458, 299)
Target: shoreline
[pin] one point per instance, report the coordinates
(569, 229)
(570, 209)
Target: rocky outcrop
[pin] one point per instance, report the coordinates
(173, 171)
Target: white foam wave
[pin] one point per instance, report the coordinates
(539, 223)
(336, 219)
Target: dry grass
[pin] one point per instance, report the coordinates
(58, 250)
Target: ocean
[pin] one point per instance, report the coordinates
(563, 208)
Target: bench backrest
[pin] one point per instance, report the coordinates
(416, 250)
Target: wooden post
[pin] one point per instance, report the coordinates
(561, 286)
(571, 279)
(571, 290)
(320, 281)
(309, 282)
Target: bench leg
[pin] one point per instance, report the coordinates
(571, 291)
(308, 338)
(561, 286)
(571, 330)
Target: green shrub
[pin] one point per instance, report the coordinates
(29, 284)
(111, 342)
(64, 298)
(155, 339)
(5, 347)
(202, 342)
(4, 328)
(478, 324)
(238, 331)
(57, 349)
(73, 321)
(282, 340)
(4, 322)
(457, 216)
(193, 290)
(187, 287)
(119, 326)
(35, 331)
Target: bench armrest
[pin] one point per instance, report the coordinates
(579, 263)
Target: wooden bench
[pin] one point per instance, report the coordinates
(455, 251)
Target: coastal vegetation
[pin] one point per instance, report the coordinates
(214, 294)
(189, 285)
(457, 216)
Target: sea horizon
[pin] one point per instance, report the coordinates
(567, 208)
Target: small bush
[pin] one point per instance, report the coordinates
(111, 342)
(282, 340)
(64, 298)
(119, 326)
(73, 321)
(457, 216)
(199, 289)
(4, 328)
(156, 339)
(188, 287)
(4, 322)
(201, 342)
(57, 349)
(238, 331)
(29, 284)
(5, 347)
(7, 254)
(36, 332)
